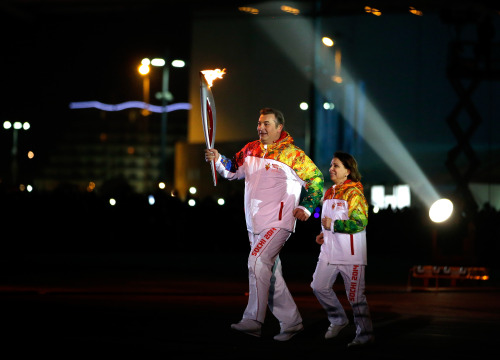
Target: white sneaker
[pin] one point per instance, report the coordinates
(248, 326)
(333, 330)
(289, 333)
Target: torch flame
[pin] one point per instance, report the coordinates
(211, 75)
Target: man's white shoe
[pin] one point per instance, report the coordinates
(248, 326)
(289, 333)
(333, 330)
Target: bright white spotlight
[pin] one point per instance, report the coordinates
(304, 106)
(192, 190)
(112, 202)
(441, 210)
(191, 202)
(158, 62)
(221, 201)
(151, 200)
(178, 63)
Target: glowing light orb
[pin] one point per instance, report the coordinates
(441, 210)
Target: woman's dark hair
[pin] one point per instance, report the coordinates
(280, 119)
(350, 164)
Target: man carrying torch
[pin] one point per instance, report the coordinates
(275, 170)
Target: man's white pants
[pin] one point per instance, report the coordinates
(354, 282)
(267, 286)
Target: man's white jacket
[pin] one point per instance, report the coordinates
(274, 176)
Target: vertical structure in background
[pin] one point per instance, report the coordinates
(326, 94)
(16, 126)
(164, 102)
(165, 96)
(470, 62)
(338, 103)
(314, 109)
(354, 100)
(145, 153)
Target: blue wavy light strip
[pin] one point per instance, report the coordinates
(129, 105)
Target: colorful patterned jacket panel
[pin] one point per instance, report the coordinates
(345, 243)
(353, 193)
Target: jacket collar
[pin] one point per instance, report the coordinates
(284, 139)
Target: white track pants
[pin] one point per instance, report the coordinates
(267, 286)
(354, 281)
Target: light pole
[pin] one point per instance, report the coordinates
(144, 71)
(165, 96)
(16, 126)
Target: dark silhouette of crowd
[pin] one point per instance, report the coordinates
(70, 220)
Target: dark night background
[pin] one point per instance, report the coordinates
(80, 278)
(57, 52)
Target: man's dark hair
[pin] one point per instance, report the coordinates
(280, 119)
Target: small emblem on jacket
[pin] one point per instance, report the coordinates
(340, 204)
(274, 167)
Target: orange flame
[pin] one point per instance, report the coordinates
(211, 75)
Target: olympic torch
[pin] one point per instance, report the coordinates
(208, 117)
